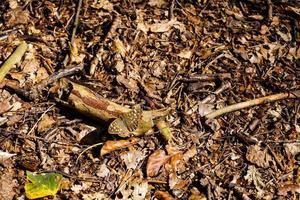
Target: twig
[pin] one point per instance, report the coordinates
(13, 59)
(88, 148)
(75, 177)
(74, 29)
(171, 13)
(206, 77)
(270, 9)
(254, 102)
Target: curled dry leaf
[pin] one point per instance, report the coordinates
(283, 190)
(163, 195)
(156, 160)
(111, 145)
(257, 156)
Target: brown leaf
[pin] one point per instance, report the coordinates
(196, 195)
(257, 156)
(4, 106)
(16, 17)
(7, 184)
(111, 145)
(163, 195)
(45, 123)
(155, 162)
(283, 190)
(128, 83)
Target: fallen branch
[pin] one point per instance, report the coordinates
(254, 102)
(13, 59)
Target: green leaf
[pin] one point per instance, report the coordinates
(41, 185)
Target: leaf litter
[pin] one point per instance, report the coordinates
(192, 57)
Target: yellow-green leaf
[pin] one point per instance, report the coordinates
(41, 185)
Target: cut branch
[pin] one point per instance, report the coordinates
(13, 59)
(254, 102)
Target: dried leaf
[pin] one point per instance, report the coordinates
(187, 54)
(42, 185)
(292, 149)
(45, 124)
(254, 176)
(128, 83)
(120, 47)
(4, 106)
(196, 195)
(283, 190)
(4, 156)
(163, 195)
(132, 158)
(257, 156)
(155, 161)
(7, 184)
(110, 146)
(16, 17)
(157, 3)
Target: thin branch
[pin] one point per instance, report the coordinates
(254, 102)
(75, 25)
(13, 59)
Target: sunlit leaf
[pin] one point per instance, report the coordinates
(155, 162)
(110, 146)
(41, 185)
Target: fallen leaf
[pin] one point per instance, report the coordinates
(7, 184)
(157, 3)
(42, 185)
(103, 171)
(4, 106)
(292, 149)
(114, 145)
(128, 83)
(163, 195)
(120, 47)
(155, 161)
(4, 156)
(254, 176)
(16, 17)
(132, 158)
(257, 156)
(283, 190)
(187, 54)
(196, 195)
(45, 123)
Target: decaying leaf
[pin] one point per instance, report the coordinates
(45, 123)
(163, 195)
(197, 195)
(113, 145)
(4, 156)
(254, 176)
(132, 158)
(136, 188)
(283, 190)
(257, 156)
(7, 184)
(155, 161)
(42, 185)
(292, 149)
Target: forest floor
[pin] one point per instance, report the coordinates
(192, 57)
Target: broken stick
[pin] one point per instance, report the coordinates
(254, 102)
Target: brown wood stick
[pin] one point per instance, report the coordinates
(253, 102)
